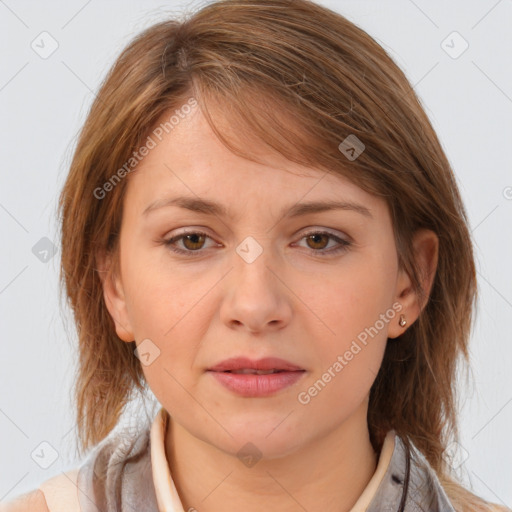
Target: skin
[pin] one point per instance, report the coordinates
(290, 302)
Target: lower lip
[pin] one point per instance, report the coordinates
(252, 385)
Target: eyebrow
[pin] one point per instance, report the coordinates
(213, 208)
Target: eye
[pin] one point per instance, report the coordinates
(319, 240)
(193, 241)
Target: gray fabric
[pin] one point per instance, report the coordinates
(117, 477)
(424, 491)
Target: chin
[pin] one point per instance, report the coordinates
(268, 436)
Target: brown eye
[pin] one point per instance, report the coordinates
(319, 240)
(318, 243)
(193, 241)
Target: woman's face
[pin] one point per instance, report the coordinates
(266, 277)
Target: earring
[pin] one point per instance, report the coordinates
(402, 322)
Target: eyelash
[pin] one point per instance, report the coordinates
(344, 244)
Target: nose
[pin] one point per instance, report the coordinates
(256, 298)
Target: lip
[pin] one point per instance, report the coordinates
(267, 363)
(253, 385)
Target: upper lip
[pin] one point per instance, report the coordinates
(267, 363)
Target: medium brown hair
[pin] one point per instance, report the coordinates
(301, 78)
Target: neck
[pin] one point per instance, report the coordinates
(329, 473)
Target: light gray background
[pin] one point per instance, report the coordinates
(43, 103)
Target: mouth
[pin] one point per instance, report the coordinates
(249, 378)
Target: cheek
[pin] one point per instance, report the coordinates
(160, 297)
(357, 299)
(174, 320)
(357, 310)
(168, 310)
(350, 358)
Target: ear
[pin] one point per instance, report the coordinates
(426, 249)
(114, 296)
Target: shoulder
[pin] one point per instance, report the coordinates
(444, 492)
(57, 494)
(61, 492)
(33, 501)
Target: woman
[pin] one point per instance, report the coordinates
(260, 226)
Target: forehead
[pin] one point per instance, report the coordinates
(191, 160)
